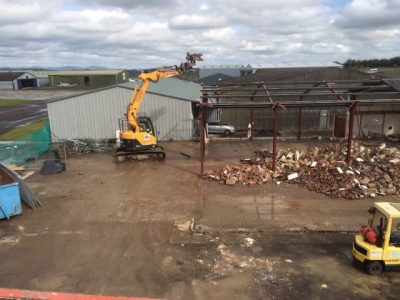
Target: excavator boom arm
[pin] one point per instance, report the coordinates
(141, 89)
(153, 76)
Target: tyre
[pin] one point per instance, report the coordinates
(227, 132)
(374, 267)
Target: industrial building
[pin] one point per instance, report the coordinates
(315, 121)
(243, 70)
(95, 114)
(42, 75)
(229, 70)
(88, 78)
(18, 80)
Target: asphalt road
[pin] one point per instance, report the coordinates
(13, 116)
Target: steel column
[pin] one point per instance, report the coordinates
(202, 134)
(275, 110)
(300, 121)
(251, 122)
(352, 108)
(383, 123)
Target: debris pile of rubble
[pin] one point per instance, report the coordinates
(374, 171)
(70, 147)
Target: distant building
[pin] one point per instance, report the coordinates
(244, 70)
(88, 78)
(42, 75)
(305, 73)
(229, 70)
(214, 79)
(313, 118)
(18, 80)
(287, 65)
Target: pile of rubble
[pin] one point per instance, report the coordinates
(70, 147)
(374, 170)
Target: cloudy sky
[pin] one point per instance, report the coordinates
(149, 33)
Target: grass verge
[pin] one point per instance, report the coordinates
(14, 102)
(20, 131)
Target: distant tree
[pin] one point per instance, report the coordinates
(373, 63)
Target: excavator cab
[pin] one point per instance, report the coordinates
(146, 125)
(377, 247)
(143, 139)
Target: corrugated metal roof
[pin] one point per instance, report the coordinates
(220, 66)
(300, 74)
(86, 72)
(40, 73)
(172, 87)
(313, 64)
(214, 79)
(9, 76)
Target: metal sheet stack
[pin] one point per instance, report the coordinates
(26, 194)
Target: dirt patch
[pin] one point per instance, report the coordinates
(125, 230)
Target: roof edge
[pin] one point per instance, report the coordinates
(111, 87)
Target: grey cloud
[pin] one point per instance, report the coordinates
(365, 14)
(131, 33)
(131, 3)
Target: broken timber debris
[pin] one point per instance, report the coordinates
(374, 171)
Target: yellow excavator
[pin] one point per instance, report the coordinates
(138, 137)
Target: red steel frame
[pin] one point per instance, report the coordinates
(261, 86)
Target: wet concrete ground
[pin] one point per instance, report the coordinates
(125, 230)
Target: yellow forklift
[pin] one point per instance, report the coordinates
(377, 247)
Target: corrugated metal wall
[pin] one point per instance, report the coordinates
(95, 115)
(6, 84)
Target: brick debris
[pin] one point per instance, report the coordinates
(374, 170)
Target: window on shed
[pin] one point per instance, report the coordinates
(123, 76)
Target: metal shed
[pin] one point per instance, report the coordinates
(88, 78)
(95, 114)
(18, 80)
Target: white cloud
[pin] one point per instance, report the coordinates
(19, 11)
(219, 35)
(196, 21)
(122, 33)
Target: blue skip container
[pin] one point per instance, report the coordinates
(10, 202)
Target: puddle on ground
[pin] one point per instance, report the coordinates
(344, 277)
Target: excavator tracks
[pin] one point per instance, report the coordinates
(123, 156)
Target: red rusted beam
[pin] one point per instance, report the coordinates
(251, 122)
(267, 92)
(275, 108)
(14, 294)
(202, 133)
(328, 85)
(352, 108)
(300, 121)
